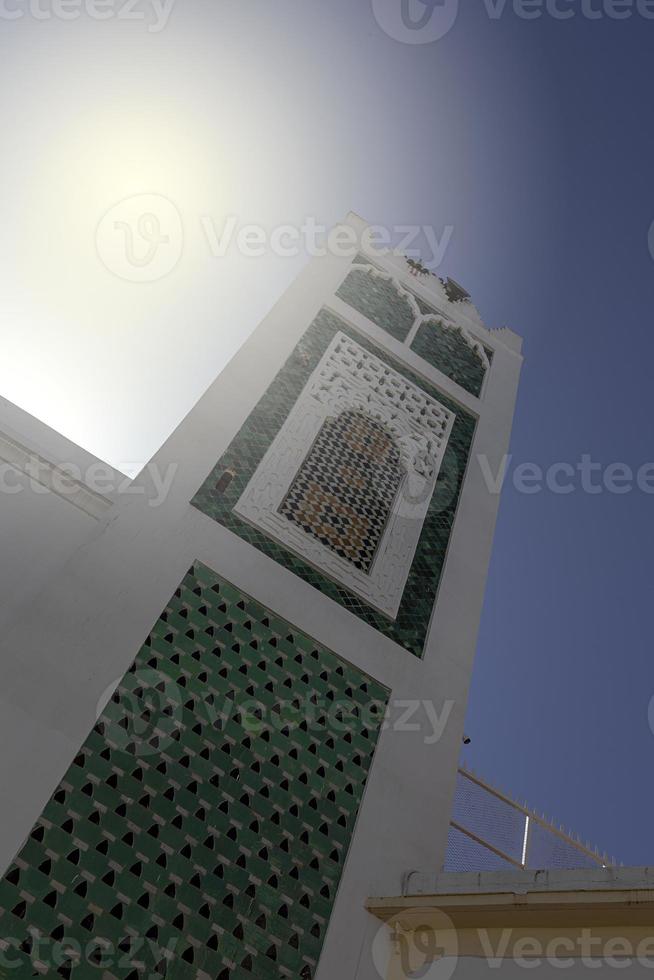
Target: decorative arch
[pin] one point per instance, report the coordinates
(348, 480)
(344, 491)
(448, 346)
(475, 345)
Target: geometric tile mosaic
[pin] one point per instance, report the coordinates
(202, 829)
(346, 486)
(234, 470)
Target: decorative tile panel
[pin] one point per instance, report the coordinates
(376, 296)
(346, 530)
(453, 351)
(202, 829)
(232, 473)
(446, 346)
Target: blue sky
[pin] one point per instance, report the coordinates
(533, 139)
(563, 679)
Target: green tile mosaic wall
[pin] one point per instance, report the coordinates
(217, 497)
(202, 829)
(443, 348)
(446, 349)
(378, 300)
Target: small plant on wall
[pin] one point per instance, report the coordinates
(417, 268)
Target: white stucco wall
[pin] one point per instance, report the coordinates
(40, 529)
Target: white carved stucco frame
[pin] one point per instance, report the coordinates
(350, 378)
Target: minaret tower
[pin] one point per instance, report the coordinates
(237, 715)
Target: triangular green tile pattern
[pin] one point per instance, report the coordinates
(202, 829)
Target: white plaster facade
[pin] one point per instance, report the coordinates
(78, 607)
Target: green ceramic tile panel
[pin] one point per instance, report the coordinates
(409, 629)
(379, 300)
(445, 349)
(209, 812)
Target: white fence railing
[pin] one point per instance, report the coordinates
(490, 832)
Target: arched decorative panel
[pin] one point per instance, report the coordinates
(307, 492)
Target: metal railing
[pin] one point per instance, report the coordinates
(491, 832)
